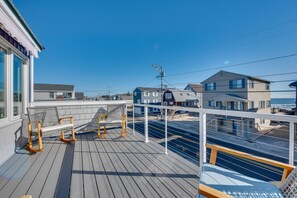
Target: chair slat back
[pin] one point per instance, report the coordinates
(115, 112)
(47, 115)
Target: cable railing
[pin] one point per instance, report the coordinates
(187, 137)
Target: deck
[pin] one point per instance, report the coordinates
(92, 167)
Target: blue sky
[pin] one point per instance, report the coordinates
(99, 45)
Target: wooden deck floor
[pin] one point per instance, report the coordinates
(92, 167)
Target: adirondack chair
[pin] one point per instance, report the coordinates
(115, 115)
(218, 182)
(45, 120)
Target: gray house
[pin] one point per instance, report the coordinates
(45, 92)
(198, 90)
(184, 98)
(231, 91)
(147, 95)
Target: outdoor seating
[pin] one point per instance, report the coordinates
(115, 115)
(44, 120)
(218, 182)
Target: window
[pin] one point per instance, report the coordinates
(237, 84)
(252, 104)
(262, 121)
(146, 93)
(251, 124)
(17, 86)
(267, 86)
(251, 85)
(210, 103)
(67, 95)
(168, 95)
(135, 93)
(261, 104)
(3, 105)
(268, 103)
(155, 100)
(51, 95)
(210, 86)
(155, 93)
(146, 101)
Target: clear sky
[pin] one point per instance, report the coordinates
(105, 44)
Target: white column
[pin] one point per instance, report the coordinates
(202, 137)
(31, 82)
(25, 86)
(146, 124)
(166, 150)
(133, 119)
(291, 144)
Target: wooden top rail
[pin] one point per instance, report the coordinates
(251, 157)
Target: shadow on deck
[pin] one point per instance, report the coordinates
(92, 167)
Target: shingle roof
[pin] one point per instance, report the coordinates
(183, 95)
(197, 87)
(250, 77)
(53, 87)
(148, 89)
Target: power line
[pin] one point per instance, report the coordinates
(236, 65)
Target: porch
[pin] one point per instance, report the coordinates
(92, 167)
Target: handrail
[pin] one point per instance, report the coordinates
(284, 118)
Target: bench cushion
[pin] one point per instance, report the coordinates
(54, 128)
(103, 122)
(236, 184)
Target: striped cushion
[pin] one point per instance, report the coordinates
(236, 184)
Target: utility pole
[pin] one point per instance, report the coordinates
(161, 75)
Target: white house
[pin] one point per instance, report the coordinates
(18, 48)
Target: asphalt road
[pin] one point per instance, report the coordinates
(186, 144)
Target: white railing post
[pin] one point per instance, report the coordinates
(202, 138)
(126, 113)
(291, 143)
(166, 132)
(146, 124)
(133, 121)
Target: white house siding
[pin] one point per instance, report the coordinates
(10, 126)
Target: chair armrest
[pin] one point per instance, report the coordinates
(66, 117)
(211, 192)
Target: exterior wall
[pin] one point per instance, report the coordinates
(222, 86)
(45, 95)
(139, 97)
(10, 135)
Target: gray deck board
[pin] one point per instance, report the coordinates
(52, 178)
(92, 167)
(77, 182)
(32, 172)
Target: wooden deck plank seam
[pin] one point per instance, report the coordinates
(144, 176)
(163, 181)
(31, 168)
(15, 171)
(118, 159)
(172, 167)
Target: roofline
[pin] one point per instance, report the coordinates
(250, 77)
(10, 4)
